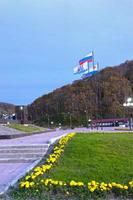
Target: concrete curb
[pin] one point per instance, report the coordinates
(55, 139)
(23, 134)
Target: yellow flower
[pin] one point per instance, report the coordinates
(93, 185)
(113, 184)
(80, 184)
(92, 189)
(27, 177)
(32, 184)
(125, 187)
(72, 183)
(33, 176)
(60, 183)
(131, 183)
(119, 186)
(27, 184)
(22, 184)
(109, 185)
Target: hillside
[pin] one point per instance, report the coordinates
(99, 96)
(6, 108)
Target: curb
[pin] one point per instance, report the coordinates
(55, 139)
(18, 135)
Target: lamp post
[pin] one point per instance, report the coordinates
(129, 104)
(89, 121)
(48, 119)
(21, 110)
(86, 117)
(59, 125)
(70, 119)
(52, 123)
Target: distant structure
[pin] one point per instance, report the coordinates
(7, 113)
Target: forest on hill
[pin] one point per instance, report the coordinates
(6, 108)
(99, 96)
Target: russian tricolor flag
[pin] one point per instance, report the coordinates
(87, 58)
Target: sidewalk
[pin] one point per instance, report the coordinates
(40, 138)
(13, 170)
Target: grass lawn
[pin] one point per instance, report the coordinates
(28, 129)
(104, 157)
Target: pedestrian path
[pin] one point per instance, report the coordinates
(16, 160)
(18, 156)
(7, 133)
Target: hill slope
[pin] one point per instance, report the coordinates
(99, 96)
(6, 108)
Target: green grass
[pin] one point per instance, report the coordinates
(97, 156)
(28, 129)
(88, 156)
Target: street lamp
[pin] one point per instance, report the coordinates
(70, 119)
(59, 125)
(89, 121)
(129, 99)
(48, 119)
(86, 117)
(21, 107)
(52, 123)
(129, 103)
(21, 110)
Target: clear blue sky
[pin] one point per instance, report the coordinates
(41, 41)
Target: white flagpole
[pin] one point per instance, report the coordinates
(88, 67)
(98, 67)
(100, 95)
(93, 57)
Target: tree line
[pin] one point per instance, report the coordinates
(99, 96)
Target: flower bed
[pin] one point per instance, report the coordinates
(34, 179)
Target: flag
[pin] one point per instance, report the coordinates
(93, 68)
(81, 68)
(76, 69)
(87, 58)
(91, 71)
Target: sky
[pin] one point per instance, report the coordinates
(41, 41)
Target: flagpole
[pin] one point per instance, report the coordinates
(88, 67)
(93, 58)
(100, 93)
(98, 67)
(93, 63)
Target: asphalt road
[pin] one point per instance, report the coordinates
(8, 131)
